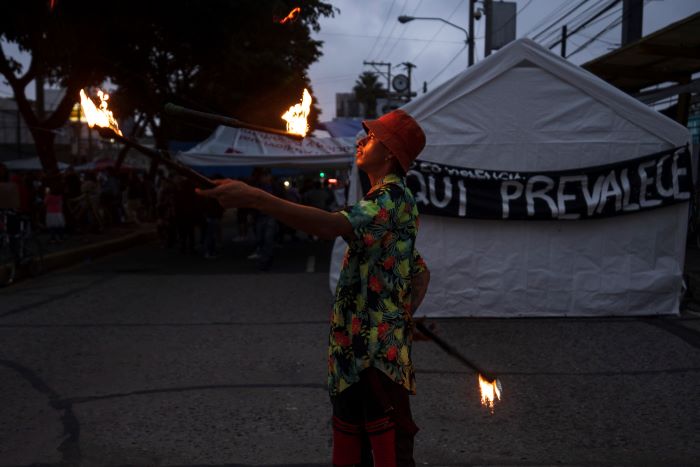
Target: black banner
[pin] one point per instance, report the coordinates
(644, 183)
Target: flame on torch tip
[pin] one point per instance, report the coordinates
(297, 114)
(490, 391)
(101, 116)
(291, 16)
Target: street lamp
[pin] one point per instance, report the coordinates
(403, 19)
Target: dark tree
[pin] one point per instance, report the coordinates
(367, 90)
(66, 48)
(227, 57)
(224, 56)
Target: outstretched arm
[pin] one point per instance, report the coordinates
(323, 224)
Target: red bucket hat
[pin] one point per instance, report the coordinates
(399, 132)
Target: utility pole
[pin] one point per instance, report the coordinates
(472, 5)
(409, 66)
(387, 74)
(488, 12)
(632, 15)
(563, 41)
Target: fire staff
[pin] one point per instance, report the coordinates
(382, 282)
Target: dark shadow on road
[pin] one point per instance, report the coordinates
(155, 325)
(690, 336)
(51, 298)
(565, 373)
(85, 399)
(70, 447)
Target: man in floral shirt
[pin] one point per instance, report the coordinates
(382, 282)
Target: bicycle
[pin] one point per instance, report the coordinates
(19, 248)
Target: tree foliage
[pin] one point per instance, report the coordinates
(222, 56)
(367, 90)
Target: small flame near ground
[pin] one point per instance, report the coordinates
(490, 391)
(291, 17)
(100, 116)
(297, 115)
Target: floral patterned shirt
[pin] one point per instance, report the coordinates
(371, 322)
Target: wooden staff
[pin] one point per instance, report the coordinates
(160, 157)
(185, 113)
(487, 375)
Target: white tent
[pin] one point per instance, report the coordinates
(526, 109)
(237, 147)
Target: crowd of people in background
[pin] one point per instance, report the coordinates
(72, 203)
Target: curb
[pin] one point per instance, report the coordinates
(62, 259)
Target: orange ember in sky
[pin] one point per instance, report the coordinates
(292, 16)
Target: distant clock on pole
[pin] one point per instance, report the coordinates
(400, 83)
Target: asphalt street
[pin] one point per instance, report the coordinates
(150, 357)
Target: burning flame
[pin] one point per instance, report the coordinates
(297, 114)
(490, 391)
(101, 116)
(292, 16)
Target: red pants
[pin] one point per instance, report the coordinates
(372, 423)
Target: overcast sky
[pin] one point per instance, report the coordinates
(368, 30)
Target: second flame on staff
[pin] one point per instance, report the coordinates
(490, 391)
(297, 115)
(98, 116)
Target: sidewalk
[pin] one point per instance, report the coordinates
(80, 247)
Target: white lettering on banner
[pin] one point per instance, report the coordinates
(452, 170)
(447, 195)
(666, 193)
(626, 191)
(610, 188)
(462, 199)
(531, 194)
(592, 198)
(506, 197)
(434, 168)
(676, 172)
(605, 190)
(645, 181)
(562, 197)
(420, 195)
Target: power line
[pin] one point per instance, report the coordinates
(403, 30)
(609, 27)
(612, 12)
(604, 10)
(604, 41)
(437, 32)
(388, 15)
(574, 22)
(413, 39)
(539, 34)
(615, 23)
(393, 28)
(448, 64)
(548, 17)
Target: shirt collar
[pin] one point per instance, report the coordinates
(385, 180)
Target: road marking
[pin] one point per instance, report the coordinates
(311, 264)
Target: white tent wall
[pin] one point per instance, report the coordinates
(525, 109)
(238, 147)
